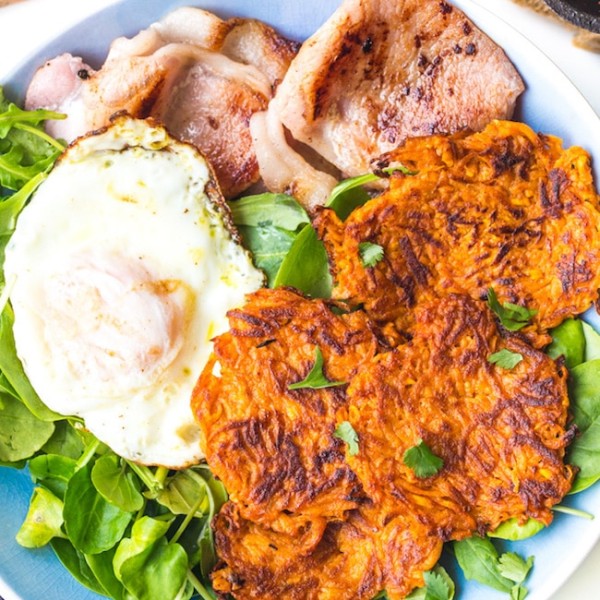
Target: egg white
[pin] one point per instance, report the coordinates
(122, 268)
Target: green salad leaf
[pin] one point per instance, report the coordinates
(579, 344)
(269, 245)
(479, 560)
(92, 523)
(12, 369)
(438, 586)
(264, 210)
(505, 358)
(43, 521)
(21, 433)
(568, 341)
(512, 316)
(513, 530)
(584, 392)
(422, 460)
(117, 484)
(315, 379)
(305, 266)
(592, 342)
(76, 563)
(345, 432)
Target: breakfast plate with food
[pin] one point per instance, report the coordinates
(297, 301)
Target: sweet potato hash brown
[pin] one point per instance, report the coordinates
(505, 208)
(274, 448)
(354, 559)
(501, 433)
(307, 517)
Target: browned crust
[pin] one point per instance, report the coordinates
(502, 208)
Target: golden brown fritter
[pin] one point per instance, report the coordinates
(354, 560)
(274, 448)
(502, 208)
(499, 431)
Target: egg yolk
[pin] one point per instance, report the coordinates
(112, 326)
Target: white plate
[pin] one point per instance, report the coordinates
(550, 104)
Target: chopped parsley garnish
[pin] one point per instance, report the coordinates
(512, 316)
(505, 358)
(315, 379)
(422, 460)
(345, 432)
(370, 254)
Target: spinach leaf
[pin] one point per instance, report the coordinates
(12, 369)
(513, 530)
(43, 521)
(159, 571)
(306, 267)
(101, 566)
(315, 379)
(21, 433)
(116, 484)
(66, 440)
(592, 341)
(479, 560)
(568, 340)
(349, 194)
(149, 566)
(92, 523)
(345, 432)
(584, 392)
(263, 210)
(422, 460)
(269, 245)
(184, 494)
(74, 561)
(53, 471)
(269, 224)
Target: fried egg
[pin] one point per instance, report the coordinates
(122, 268)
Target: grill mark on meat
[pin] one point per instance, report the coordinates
(352, 106)
(446, 8)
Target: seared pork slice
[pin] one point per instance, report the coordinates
(379, 71)
(58, 86)
(284, 170)
(199, 75)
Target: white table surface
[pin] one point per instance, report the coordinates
(30, 24)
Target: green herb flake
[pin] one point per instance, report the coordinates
(345, 432)
(422, 460)
(505, 358)
(370, 254)
(315, 379)
(513, 567)
(512, 316)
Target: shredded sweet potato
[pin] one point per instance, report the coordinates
(308, 518)
(504, 208)
(274, 448)
(501, 432)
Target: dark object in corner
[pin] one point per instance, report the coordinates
(583, 13)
